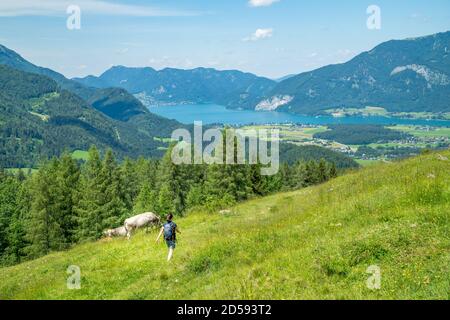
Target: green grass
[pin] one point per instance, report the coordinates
(433, 132)
(365, 112)
(80, 155)
(366, 163)
(291, 133)
(315, 243)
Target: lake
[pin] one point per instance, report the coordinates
(212, 114)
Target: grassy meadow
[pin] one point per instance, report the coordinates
(315, 243)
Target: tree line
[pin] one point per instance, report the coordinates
(67, 201)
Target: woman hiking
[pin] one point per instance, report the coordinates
(170, 230)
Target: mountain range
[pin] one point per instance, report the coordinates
(231, 88)
(43, 113)
(411, 75)
(400, 76)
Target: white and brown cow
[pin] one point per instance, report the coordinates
(117, 232)
(146, 220)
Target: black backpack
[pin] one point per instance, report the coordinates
(169, 231)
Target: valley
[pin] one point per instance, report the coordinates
(417, 138)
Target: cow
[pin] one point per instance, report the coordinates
(143, 220)
(117, 232)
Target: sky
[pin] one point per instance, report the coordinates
(270, 38)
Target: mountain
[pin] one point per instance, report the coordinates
(175, 86)
(285, 77)
(400, 76)
(316, 243)
(14, 60)
(130, 128)
(39, 119)
(110, 101)
(121, 99)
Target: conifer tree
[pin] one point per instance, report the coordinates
(67, 176)
(16, 232)
(322, 171)
(332, 171)
(44, 229)
(9, 187)
(146, 201)
(129, 184)
(88, 208)
(113, 208)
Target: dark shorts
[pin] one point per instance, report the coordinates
(171, 244)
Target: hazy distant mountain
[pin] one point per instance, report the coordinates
(175, 86)
(285, 77)
(399, 75)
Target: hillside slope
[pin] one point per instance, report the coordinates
(400, 76)
(315, 243)
(114, 102)
(39, 119)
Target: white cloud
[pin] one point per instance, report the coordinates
(261, 3)
(11, 8)
(260, 34)
(122, 51)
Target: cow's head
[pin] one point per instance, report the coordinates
(108, 233)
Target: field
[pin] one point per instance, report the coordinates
(80, 155)
(381, 112)
(427, 132)
(315, 243)
(364, 112)
(366, 163)
(292, 133)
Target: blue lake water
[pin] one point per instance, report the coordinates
(212, 114)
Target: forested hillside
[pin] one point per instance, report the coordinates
(400, 76)
(115, 103)
(39, 120)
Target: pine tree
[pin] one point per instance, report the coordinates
(171, 182)
(67, 176)
(9, 187)
(311, 174)
(195, 197)
(166, 203)
(146, 201)
(44, 227)
(299, 175)
(129, 185)
(17, 229)
(332, 171)
(322, 171)
(113, 207)
(88, 208)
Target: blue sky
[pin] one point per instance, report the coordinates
(294, 35)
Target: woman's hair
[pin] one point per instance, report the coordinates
(169, 216)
